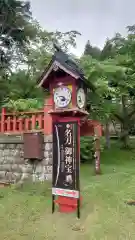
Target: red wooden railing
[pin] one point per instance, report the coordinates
(19, 122)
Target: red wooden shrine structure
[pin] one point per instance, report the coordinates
(20, 122)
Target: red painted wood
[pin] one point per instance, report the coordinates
(20, 124)
(3, 112)
(27, 124)
(33, 121)
(47, 117)
(26, 121)
(8, 123)
(39, 120)
(67, 204)
(14, 124)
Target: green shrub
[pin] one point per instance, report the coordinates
(22, 105)
(87, 149)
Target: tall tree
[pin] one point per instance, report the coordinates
(115, 77)
(108, 50)
(42, 49)
(16, 33)
(24, 44)
(16, 30)
(92, 51)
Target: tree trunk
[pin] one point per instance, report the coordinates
(107, 135)
(125, 124)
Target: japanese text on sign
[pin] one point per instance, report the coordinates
(68, 135)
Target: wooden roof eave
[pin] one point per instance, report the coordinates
(53, 66)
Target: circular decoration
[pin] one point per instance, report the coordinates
(81, 98)
(62, 97)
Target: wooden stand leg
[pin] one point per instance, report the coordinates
(78, 208)
(53, 203)
(97, 155)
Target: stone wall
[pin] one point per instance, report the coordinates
(13, 167)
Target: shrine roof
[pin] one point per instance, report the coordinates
(65, 62)
(68, 62)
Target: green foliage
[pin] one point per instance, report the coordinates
(16, 31)
(4, 88)
(87, 149)
(41, 52)
(23, 104)
(89, 50)
(25, 45)
(24, 86)
(98, 74)
(108, 51)
(113, 77)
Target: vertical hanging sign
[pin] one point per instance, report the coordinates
(66, 162)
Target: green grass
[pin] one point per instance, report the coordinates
(25, 213)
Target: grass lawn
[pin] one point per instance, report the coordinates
(25, 214)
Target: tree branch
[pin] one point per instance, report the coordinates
(131, 114)
(118, 117)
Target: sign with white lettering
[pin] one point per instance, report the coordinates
(66, 160)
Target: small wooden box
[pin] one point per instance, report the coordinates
(33, 145)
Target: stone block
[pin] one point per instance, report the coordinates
(2, 146)
(21, 153)
(18, 160)
(10, 177)
(48, 177)
(5, 167)
(48, 138)
(46, 154)
(28, 169)
(39, 168)
(25, 176)
(48, 146)
(18, 177)
(12, 146)
(48, 169)
(2, 160)
(14, 168)
(8, 159)
(47, 161)
(2, 175)
(19, 146)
